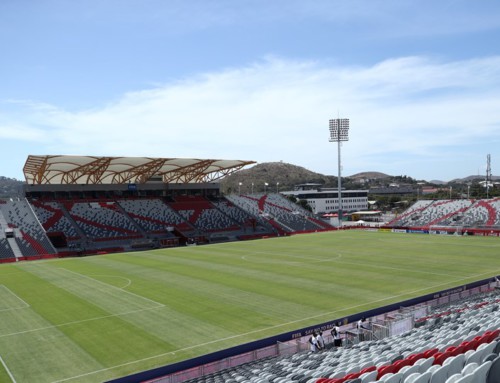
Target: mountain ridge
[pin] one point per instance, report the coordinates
(285, 176)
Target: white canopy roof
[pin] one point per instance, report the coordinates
(63, 169)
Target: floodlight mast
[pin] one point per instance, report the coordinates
(488, 175)
(339, 131)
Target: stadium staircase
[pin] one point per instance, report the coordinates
(8, 246)
(29, 237)
(16, 251)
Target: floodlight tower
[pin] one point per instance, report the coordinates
(339, 131)
(488, 175)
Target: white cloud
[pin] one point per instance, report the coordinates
(408, 110)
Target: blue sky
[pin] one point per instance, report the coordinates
(254, 80)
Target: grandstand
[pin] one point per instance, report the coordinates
(478, 217)
(80, 205)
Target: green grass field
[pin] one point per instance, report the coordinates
(96, 318)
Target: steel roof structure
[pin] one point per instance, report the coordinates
(62, 169)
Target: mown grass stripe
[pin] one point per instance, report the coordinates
(121, 313)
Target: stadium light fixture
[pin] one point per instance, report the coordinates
(339, 132)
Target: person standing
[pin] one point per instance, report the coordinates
(320, 341)
(337, 339)
(361, 329)
(313, 342)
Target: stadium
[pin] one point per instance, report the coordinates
(128, 269)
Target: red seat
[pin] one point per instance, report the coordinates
(474, 343)
(441, 358)
(399, 364)
(461, 348)
(414, 357)
(493, 335)
(385, 370)
(368, 369)
(353, 375)
(431, 352)
(436, 356)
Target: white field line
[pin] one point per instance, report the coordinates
(261, 330)
(24, 303)
(338, 257)
(114, 287)
(305, 258)
(7, 370)
(78, 321)
(129, 282)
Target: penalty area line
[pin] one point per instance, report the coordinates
(259, 330)
(7, 370)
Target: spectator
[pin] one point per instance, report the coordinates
(313, 342)
(361, 329)
(337, 340)
(320, 341)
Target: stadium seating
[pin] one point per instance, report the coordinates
(53, 218)
(101, 220)
(278, 211)
(451, 213)
(456, 343)
(153, 215)
(202, 214)
(411, 213)
(482, 213)
(31, 239)
(91, 223)
(5, 250)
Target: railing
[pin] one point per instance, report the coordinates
(377, 329)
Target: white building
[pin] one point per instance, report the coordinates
(326, 200)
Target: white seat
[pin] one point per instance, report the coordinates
(369, 376)
(408, 370)
(412, 377)
(456, 364)
(467, 379)
(338, 374)
(419, 378)
(440, 374)
(475, 357)
(394, 378)
(481, 372)
(425, 364)
(453, 378)
(385, 377)
(469, 368)
(488, 349)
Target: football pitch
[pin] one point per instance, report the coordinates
(96, 318)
